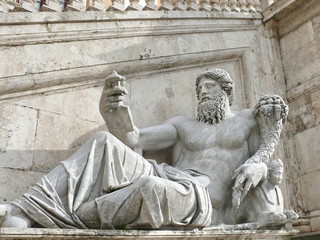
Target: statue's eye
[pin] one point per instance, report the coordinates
(210, 85)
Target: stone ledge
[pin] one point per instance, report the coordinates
(280, 8)
(307, 236)
(24, 18)
(301, 90)
(213, 234)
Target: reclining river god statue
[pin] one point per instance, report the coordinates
(217, 158)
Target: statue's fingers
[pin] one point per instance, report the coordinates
(239, 181)
(236, 172)
(248, 185)
(246, 188)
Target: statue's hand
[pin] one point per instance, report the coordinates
(113, 93)
(246, 177)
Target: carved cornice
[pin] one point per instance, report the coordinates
(17, 86)
(127, 29)
(304, 89)
(35, 6)
(117, 25)
(96, 16)
(84, 35)
(280, 8)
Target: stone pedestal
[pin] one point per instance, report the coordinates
(212, 234)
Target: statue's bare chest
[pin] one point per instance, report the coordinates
(196, 136)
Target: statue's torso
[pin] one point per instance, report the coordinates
(213, 150)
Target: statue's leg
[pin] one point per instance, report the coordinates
(150, 202)
(101, 165)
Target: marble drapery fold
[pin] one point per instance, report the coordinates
(126, 190)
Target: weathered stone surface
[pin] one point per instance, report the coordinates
(292, 19)
(15, 182)
(315, 213)
(196, 234)
(303, 229)
(310, 182)
(309, 152)
(77, 103)
(315, 220)
(301, 222)
(315, 224)
(17, 136)
(299, 42)
(90, 60)
(58, 136)
(306, 63)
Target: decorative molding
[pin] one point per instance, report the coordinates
(280, 8)
(39, 83)
(117, 5)
(296, 17)
(76, 16)
(202, 22)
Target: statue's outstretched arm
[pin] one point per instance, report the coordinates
(270, 114)
(157, 137)
(115, 113)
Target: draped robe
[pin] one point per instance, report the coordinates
(114, 187)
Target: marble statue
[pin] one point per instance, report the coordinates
(217, 158)
(264, 203)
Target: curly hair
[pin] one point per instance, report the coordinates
(222, 77)
(275, 164)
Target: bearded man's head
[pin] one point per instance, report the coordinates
(224, 80)
(211, 109)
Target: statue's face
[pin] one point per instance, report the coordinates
(208, 88)
(275, 177)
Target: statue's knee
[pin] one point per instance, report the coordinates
(103, 136)
(152, 183)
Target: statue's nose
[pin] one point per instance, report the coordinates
(204, 90)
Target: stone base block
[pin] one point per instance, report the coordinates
(307, 236)
(215, 234)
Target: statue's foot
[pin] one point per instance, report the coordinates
(13, 217)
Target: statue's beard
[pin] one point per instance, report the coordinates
(212, 109)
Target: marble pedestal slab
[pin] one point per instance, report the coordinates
(212, 234)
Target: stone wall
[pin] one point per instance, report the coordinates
(298, 29)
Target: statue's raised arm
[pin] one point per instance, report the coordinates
(115, 113)
(270, 114)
